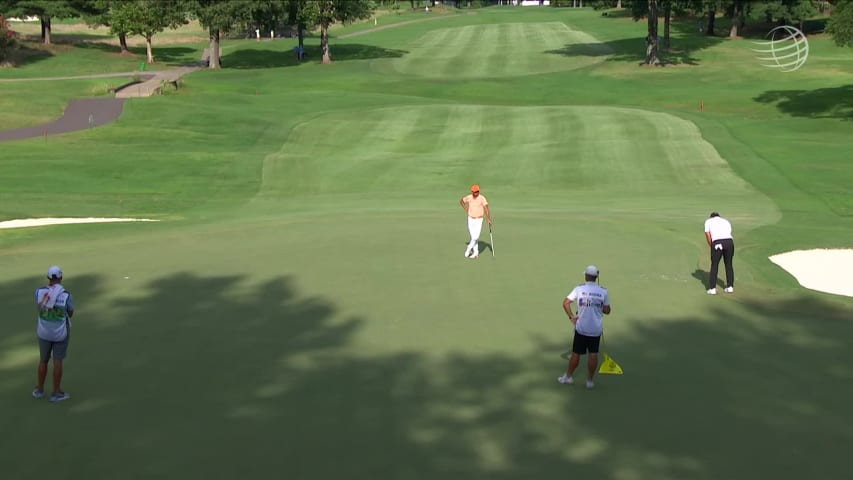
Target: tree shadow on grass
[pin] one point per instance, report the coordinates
(22, 55)
(171, 55)
(685, 42)
(191, 376)
(262, 58)
(835, 102)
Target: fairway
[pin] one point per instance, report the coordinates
(302, 308)
(616, 153)
(498, 50)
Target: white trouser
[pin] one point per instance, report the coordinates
(474, 227)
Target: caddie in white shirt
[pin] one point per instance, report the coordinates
(593, 301)
(718, 234)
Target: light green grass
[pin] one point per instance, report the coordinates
(303, 308)
(506, 49)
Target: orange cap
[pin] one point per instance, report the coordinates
(475, 188)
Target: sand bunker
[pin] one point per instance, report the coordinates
(42, 222)
(824, 270)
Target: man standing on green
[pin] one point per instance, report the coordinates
(53, 330)
(592, 301)
(476, 206)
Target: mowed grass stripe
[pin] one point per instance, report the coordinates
(452, 60)
(621, 153)
(496, 50)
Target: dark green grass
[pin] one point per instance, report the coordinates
(304, 309)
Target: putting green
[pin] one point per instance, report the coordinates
(498, 50)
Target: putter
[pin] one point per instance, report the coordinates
(492, 239)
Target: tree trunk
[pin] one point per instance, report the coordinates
(45, 29)
(667, 15)
(122, 40)
(214, 62)
(619, 4)
(711, 16)
(652, 37)
(148, 52)
(324, 43)
(300, 32)
(735, 18)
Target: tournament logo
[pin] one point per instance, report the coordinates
(787, 49)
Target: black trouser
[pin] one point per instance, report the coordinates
(724, 249)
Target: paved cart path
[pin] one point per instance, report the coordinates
(83, 113)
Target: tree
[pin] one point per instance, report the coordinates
(840, 25)
(106, 13)
(343, 11)
(738, 18)
(712, 16)
(305, 15)
(45, 10)
(267, 14)
(652, 37)
(218, 16)
(650, 11)
(148, 17)
(6, 38)
(783, 12)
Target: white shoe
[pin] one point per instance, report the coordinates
(474, 255)
(589, 385)
(565, 380)
(466, 253)
(712, 291)
(730, 290)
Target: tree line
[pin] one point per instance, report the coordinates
(146, 18)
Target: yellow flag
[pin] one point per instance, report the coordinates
(608, 365)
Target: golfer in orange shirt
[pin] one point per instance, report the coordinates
(476, 206)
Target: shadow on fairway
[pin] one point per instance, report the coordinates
(836, 102)
(685, 41)
(759, 377)
(261, 58)
(265, 378)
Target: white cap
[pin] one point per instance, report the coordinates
(54, 272)
(591, 270)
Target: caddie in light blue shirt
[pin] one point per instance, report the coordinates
(53, 329)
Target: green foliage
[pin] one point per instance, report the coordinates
(784, 11)
(840, 24)
(221, 15)
(44, 8)
(343, 11)
(147, 17)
